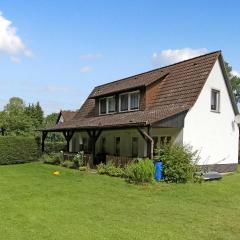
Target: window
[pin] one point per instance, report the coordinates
(134, 147)
(134, 100)
(117, 146)
(129, 101)
(74, 143)
(124, 102)
(107, 105)
(103, 145)
(215, 100)
(103, 106)
(164, 140)
(85, 145)
(111, 105)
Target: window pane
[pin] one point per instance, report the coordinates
(111, 104)
(165, 140)
(85, 145)
(134, 100)
(103, 106)
(117, 146)
(215, 96)
(135, 147)
(124, 102)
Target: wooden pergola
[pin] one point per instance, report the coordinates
(94, 134)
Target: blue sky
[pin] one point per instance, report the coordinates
(55, 52)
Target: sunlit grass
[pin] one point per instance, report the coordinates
(35, 204)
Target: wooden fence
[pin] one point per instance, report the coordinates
(119, 161)
(87, 158)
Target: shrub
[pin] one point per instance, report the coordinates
(78, 159)
(46, 158)
(110, 169)
(68, 164)
(16, 149)
(57, 158)
(101, 168)
(83, 168)
(179, 163)
(54, 147)
(53, 158)
(140, 172)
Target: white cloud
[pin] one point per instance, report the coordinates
(10, 42)
(235, 73)
(170, 56)
(91, 57)
(86, 69)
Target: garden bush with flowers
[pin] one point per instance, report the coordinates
(77, 162)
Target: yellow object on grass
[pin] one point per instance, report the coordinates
(56, 173)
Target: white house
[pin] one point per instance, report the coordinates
(190, 102)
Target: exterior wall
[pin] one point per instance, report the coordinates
(175, 134)
(214, 135)
(125, 140)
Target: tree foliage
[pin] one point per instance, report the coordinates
(49, 122)
(234, 80)
(17, 119)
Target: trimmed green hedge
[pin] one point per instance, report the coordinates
(18, 150)
(54, 147)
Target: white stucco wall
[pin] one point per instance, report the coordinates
(215, 135)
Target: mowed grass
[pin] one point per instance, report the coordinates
(34, 204)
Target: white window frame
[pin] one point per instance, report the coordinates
(107, 108)
(218, 100)
(129, 101)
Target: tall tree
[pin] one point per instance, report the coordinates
(234, 80)
(35, 112)
(15, 121)
(39, 114)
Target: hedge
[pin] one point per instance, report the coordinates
(16, 149)
(54, 147)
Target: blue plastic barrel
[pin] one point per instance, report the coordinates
(158, 170)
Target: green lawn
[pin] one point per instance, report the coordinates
(34, 204)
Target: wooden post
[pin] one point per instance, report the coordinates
(68, 136)
(44, 135)
(148, 140)
(93, 135)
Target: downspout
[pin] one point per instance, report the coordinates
(149, 138)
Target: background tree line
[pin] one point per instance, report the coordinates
(19, 119)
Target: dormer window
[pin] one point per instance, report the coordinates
(111, 104)
(129, 101)
(134, 100)
(107, 105)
